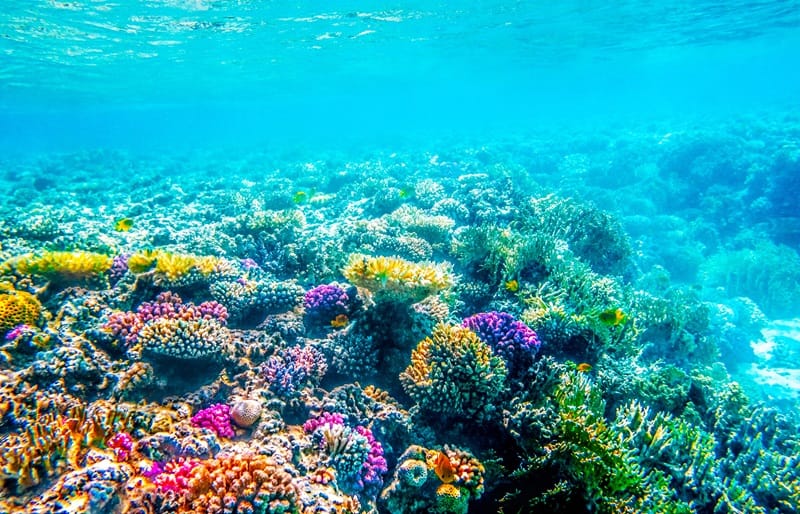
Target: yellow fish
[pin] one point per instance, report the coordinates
(340, 321)
(584, 367)
(512, 286)
(300, 197)
(444, 468)
(613, 317)
(123, 224)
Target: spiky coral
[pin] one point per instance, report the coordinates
(454, 372)
(395, 279)
(17, 308)
(61, 267)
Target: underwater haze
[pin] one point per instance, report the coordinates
(413, 257)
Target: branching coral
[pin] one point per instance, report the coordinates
(353, 453)
(454, 372)
(395, 279)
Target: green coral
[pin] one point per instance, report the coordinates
(453, 372)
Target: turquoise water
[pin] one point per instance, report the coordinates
(410, 257)
(263, 70)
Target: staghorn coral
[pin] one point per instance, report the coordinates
(395, 279)
(453, 372)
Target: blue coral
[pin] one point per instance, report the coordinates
(508, 337)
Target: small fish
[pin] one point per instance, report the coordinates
(340, 321)
(123, 224)
(612, 317)
(300, 197)
(584, 367)
(406, 192)
(512, 286)
(444, 468)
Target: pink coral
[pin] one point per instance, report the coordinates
(217, 417)
(122, 444)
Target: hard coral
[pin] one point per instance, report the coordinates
(454, 372)
(415, 487)
(17, 308)
(242, 483)
(62, 267)
(511, 339)
(395, 279)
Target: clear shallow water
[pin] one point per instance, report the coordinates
(622, 176)
(250, 71)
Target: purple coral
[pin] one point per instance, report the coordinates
(217, 417)
(375, 466)
(510, 338)
(355, 452)
(293, 369)
(119, 266)
(126, 325)
(324, 303)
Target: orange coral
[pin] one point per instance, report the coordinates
(237, 483)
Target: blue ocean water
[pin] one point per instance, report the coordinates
(191, 73)
(491, 256)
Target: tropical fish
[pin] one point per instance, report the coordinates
(341, 320)
(444, 468)
(406, 192)
(512, 286)
(123, 224)
(584, 367)
(612, 317)
(300, 197)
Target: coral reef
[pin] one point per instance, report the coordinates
(453, 372)
(395, 279)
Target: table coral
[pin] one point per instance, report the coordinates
(453, 372)
(395, 279)
(61, 267)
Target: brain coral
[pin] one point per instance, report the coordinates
(17, 308)
(454, 372)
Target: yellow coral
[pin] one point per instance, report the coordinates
(17, 308)
(172, 266)
(62, 266)
(397, 279)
